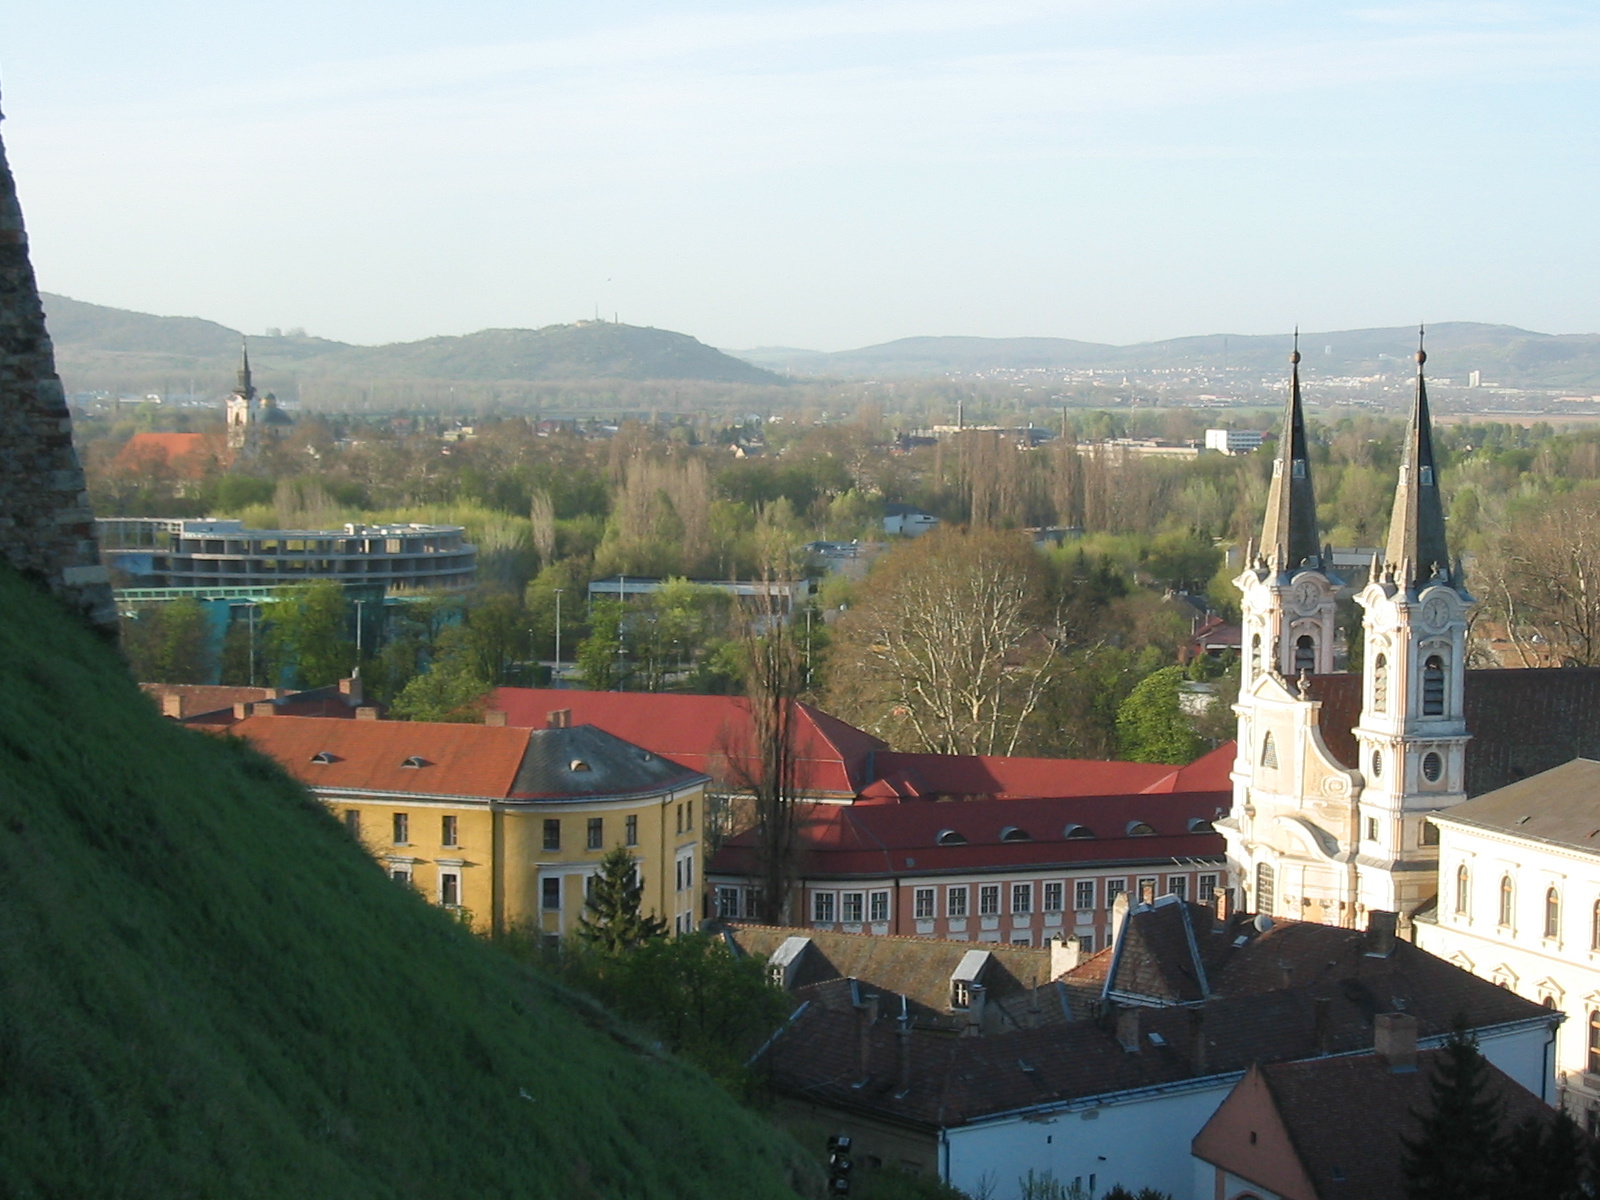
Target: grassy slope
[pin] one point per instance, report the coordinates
(206, 989)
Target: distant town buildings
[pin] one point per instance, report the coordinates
(1234, 441)
(253, 419)
(906, 521)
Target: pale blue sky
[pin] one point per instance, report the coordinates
(818, 174)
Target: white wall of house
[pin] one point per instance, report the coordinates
(1562, 971)
(1142, 1140)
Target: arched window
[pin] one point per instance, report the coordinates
(1265, 885)
(1552, 914)
(1505, 900)
(1269, 752)
(1594, 927)
(1255, 653)
(1305, 654)
(1433, 686)
(1594, 1042)
(1464, 890)
(1380, 683)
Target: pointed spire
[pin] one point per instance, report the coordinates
(1289, 534)
(1416, 529)
(245, 388)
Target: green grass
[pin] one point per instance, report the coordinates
(206, 989)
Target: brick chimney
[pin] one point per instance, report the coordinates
(350, 688)
(1322, 1024)
(1064, 955)
(263, 708)
(494, 716)
(1394, 1039)
(172, 705)
(1380, 933)
(559, 718)
(866, 1018)
(241, 709)
(1222, 905)
(1128, 1029)
(366, 713)
(976, 999)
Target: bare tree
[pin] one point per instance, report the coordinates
(774, 674)
(949, 648)
(1543, 581)
(543, 515)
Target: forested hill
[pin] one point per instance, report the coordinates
(208, 989)
(1503, 353)
(92, 341)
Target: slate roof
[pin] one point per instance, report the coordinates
(1345, 1119)
(1522, 721)
(955, 1080)
(870, 840)
(710, 734)
(470, 761)
(1560, 806)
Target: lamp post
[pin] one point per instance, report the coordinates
(555, 676)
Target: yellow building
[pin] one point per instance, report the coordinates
(505, 825)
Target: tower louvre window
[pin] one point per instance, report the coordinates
(1433, 686)
(1269, 752)
(1464, 890)
(1305, 653)
(1552, 913)
(1506, 895)
(1432, 766)
(1265, 883)
(1380, 683)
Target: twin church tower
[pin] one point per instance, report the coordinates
(1311, 837)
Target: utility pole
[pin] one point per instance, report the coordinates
(555, 675)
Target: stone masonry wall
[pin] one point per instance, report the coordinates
(46, 526)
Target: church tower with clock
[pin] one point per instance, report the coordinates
(1412, 734)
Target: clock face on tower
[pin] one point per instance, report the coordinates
(1307, 596)
(1436, 613)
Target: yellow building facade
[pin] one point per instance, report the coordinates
(505, 826)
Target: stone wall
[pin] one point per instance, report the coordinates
(46, 526)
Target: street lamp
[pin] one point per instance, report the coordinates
(555, 676)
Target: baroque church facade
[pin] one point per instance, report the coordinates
(252, 417)
(1330, 828)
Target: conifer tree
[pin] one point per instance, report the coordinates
(1544, 1160)
(1458, 1151)
(611, 921)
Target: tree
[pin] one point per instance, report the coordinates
(306, 633)
(1457, 1148)
(1151, 724)
(1544, 1160)
(599, 658)
(1543, 580)
(452, 689)
(169, 643)
(950, 646)
(611, 921)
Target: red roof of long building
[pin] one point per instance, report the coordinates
(711, 734)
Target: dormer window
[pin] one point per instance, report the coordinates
(949, 837)
(324, 757)
(578, 764)
(960, 994)
(1012, 834)
(416, 760)
(1200, 825)
(1077, 833)
(1140, 829)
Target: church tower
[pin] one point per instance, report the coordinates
(1413, 731)
(242, 410)
(1292, 798)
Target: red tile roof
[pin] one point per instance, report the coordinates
(1209, 773)
(928, 775)
(875, 839)
(711, 734)
(189, 454)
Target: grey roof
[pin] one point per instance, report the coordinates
(582, 762)
(1561, 805)
(1416, 526)
(1289, 533)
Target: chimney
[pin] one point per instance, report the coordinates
(866, 1018)
(1322, 1024)
(1064, 954)
(1286, 974)
(1394, 1039)
(975, 1005)
(1128, 1029)
(263, 708)
(902, 1060)
(241, 710)
(172, 705)
(494, 716)
(1222, 905)
(559, 718)
(1119, 919)
(1197, 1040)
(350, 689)
(1380, 933)
(1031, 1018)
(366, 713)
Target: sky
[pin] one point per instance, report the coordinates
(816, 173)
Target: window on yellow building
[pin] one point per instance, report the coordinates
(450, 889)
(550, 891)
(679, 811)
(552, 833)
(352, 821)
(688, 816)
(402, 829)
(447, 831)
(597, 833)
(630, 828)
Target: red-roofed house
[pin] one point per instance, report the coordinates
(186, 455)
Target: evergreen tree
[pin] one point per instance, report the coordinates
(611, 920)
(1544, 1160)
(1458, 1151)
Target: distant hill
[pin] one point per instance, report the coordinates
(207, 988)
(1503, 353)
(92, 339)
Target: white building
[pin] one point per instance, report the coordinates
(1234, 441)
(1519, 904)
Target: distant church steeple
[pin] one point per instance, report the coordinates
(1289, 533)
(245, 387)
(1416, 551)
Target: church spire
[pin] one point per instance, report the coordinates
(1289, 534)
(1416, 549)
(245, 388)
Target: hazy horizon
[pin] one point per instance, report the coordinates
(812, 175)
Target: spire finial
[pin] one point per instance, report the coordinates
(1422, 355)
(1295, 357)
